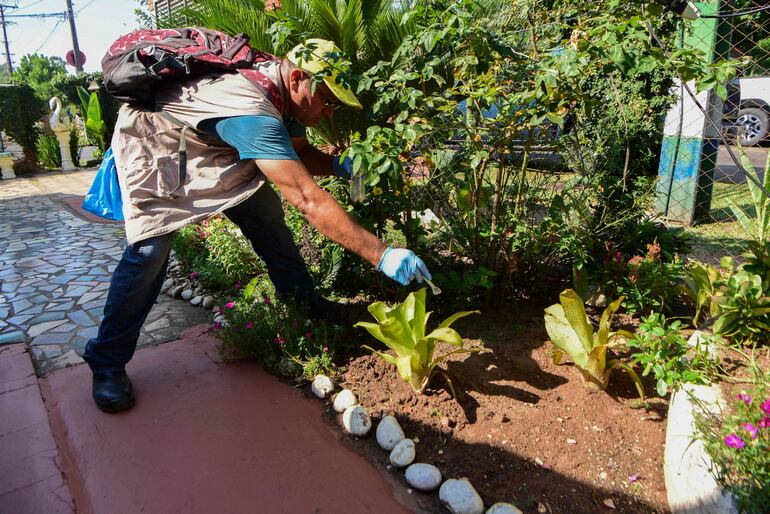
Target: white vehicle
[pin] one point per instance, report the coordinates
(754, 115)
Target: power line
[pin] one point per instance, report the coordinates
(48, 36)
(82, 8)
(30, 5)
(40, 15)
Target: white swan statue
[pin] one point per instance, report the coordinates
(60, 124)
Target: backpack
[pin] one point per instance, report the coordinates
(135, 63)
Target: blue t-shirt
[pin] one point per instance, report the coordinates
(257, 137)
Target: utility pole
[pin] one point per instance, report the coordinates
(75, 47)
(5, 35)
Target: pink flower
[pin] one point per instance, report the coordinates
(237, 286)
(734, 441)
(308, 335)
(326, 349)
(751, 429)
(272, 5)
(764, 422)
(248, 325)
(279, 341)
(634, 478)
(766, 406)
(230, 305)
(194, 275)
(745, 398)
(217, 325)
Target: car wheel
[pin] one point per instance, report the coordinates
(753, 125)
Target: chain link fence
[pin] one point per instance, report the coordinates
(694, 184)
(701, 187)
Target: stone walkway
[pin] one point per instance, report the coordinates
(55, 268)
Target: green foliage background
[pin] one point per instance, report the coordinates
(20, 109)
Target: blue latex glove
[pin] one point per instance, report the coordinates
(403, 265)
(342, 169)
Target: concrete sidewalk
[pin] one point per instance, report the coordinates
(30, 479)
(203, 438)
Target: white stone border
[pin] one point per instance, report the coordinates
(690, 486)
(458, 496)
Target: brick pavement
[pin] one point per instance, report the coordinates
(55, 266)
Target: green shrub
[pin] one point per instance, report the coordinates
(739, 446)
(231, 258)
(324, 257)
(189, 244)
(20, 110)
(260, 325)
(662, 351)
(219, 255)
(75, 145)
(646, 281)
(48, 150)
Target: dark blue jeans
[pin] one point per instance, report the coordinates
(139, 275)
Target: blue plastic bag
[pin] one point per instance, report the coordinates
(103, 198)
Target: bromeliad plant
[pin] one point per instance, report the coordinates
(700, 284)
(570, 330)
(744, 304)
(759, 227)
(402, 329)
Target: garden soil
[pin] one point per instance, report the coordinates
(522, 429)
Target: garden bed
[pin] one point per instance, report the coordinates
(522, 429)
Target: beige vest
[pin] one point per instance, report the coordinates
(146, 149)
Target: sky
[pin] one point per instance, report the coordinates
(98, 24)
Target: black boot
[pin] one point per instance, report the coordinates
(112, 391)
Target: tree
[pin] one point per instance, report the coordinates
(20, 109)
(751, 37)
(39, 71)
(5, 76)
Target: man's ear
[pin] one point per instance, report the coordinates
(295, 78)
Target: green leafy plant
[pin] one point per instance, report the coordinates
(325, 259)
(217, 253)
(402, 328)
(91, 110)
(75, 144)
(647, 282)
(20, 110)
(758, 260)
(700, 285)
(570, 330)
(738, 442)
(259, 324)
(48, 150)
(662, 351)
(745, 308)
(189, 244)
(759, 226)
